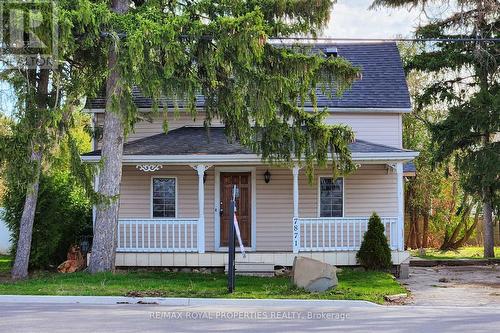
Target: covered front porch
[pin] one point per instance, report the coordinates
(172, 203)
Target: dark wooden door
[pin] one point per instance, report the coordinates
(243, 206)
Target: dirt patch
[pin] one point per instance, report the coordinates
(146, 293)
(454, 286)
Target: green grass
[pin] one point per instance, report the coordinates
(353, 284)
(468, 252)
(4, 264)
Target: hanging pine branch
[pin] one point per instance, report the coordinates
(466, 82)
(178, 49)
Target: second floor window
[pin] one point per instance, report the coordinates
(331, 196)
(164, 197)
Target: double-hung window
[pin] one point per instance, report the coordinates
(331, 197)
(164, 197)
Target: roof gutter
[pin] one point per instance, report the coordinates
(246, 158)
(308, 109)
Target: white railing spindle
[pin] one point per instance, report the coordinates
(182, 241)
(348, 238)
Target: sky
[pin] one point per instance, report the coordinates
(353, 19)
(349, 19)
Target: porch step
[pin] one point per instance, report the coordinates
(253, 269)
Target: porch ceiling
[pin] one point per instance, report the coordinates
(196, 144)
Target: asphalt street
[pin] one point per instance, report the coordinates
(75, 318)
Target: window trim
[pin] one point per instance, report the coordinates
(151, 197)
(319, 197)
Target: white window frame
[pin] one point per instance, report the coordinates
(319, 196)
(151, 196)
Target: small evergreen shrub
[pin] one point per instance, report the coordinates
(374, 253)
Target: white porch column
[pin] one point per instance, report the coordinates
(296, 223)
(201, 207)
(296, 191)
(401, 206)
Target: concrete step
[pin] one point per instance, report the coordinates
(253, 268)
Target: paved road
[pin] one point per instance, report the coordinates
(75, 318)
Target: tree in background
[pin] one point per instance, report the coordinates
(5, 125)
(466, 81)
(46, 97)
(63, 213)
(438, 209)
(219, 48)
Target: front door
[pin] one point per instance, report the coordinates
(243, 206)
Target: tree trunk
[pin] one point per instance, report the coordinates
(468, 231)
(21, 263)
(483, 74)
(489, 241)
(102, 257)
(425, 231)
(418, 243)
(40, 88)
(413, 233)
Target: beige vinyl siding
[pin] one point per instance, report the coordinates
(274, 210)
(381, 128)
(371, 188)
(135, 196)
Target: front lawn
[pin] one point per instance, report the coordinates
(468, 252)
(353, 284)
(4, 264)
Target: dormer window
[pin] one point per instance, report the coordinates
(331, 52)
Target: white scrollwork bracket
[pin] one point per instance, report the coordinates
(201, 168)
(149, 167)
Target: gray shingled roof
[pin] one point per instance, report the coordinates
(197, 141)
(383, 84)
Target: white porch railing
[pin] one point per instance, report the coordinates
(337, 233)
(157, 235)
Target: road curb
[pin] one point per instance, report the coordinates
(113, 300)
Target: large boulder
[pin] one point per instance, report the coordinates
(313, 275)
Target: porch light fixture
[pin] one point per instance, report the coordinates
(267, 176)
(204, 177)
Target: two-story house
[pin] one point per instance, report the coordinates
(176, 186)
